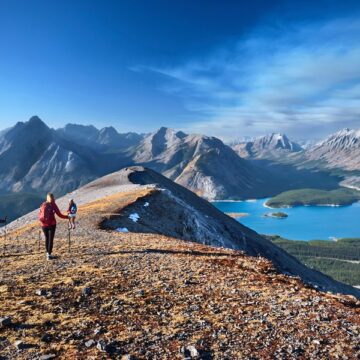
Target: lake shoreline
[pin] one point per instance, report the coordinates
(284, 206)
(303, 223)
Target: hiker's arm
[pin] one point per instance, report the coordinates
(58, 213)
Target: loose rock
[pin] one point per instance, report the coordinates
(90, 343)
(101, 345)
(87, 291)
(47, 357)
(5, 322)
(40, 292)
(189, 352)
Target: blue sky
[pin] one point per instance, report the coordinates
(229, 68)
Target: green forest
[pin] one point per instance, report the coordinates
(339, 259)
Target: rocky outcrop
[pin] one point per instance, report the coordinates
(174, 211)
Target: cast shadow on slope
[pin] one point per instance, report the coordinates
(292, 177)
(174, 252)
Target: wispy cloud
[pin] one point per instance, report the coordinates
(288, 78)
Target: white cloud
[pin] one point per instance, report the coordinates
(286, 79)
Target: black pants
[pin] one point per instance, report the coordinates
(49, 232)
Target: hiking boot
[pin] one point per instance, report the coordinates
(48, 256)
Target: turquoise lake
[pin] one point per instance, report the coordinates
(303, 223)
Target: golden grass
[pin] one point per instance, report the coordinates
(115, 201)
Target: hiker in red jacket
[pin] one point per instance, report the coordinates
(48, 222)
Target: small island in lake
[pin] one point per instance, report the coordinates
(314, 197)
(236, 215)
(278, 215)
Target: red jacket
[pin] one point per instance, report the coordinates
(52, 220)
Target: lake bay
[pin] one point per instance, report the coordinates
(303, 222)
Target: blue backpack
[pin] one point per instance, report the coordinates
(73, 209)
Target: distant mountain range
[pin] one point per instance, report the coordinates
(340, 150)
(338, 154)
(34, 157)
(268, 146)
(203, 164)
(104, 139)
(37, 159)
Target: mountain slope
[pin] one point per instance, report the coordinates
(204, 165)
(267, 147)
(148, 295)
(103, 139)
(340, 150)
(15, 205)
(34, 158)
(338, 154)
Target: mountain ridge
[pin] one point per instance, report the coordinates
(192, 218)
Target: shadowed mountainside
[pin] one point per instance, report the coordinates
(33, 158)
(15, 205)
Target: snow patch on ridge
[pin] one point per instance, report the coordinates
(134, 217)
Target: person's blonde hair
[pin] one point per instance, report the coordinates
(50, 197)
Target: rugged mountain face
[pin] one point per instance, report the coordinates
(104, 139)
(34, 158)
(340, 150)
(269, 146)
(204, 165)
(338, 154)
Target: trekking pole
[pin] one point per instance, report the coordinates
(17, 240)
(5, 237)
(69, 238)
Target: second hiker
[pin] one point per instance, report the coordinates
(72, 211)
(48, 222)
